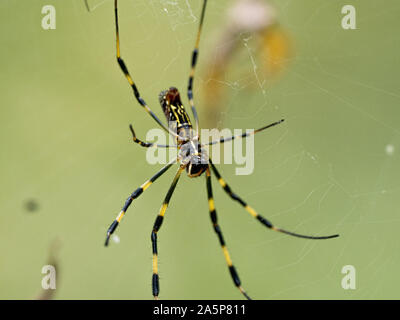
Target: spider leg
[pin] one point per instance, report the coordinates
(87, 6)
(129, 78)
(244, 135)
(217, 229)
(156, 228)
(254, 214)
(149, 144)
(135, 194)
(195, 54)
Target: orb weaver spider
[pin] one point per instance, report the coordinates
(191, 157)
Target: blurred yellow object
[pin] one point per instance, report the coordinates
(258, 19)
(276, 50)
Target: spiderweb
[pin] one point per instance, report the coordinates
(332, 167)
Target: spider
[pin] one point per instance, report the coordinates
(191, 157)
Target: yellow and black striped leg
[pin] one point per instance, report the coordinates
(129, 78)
(157, 225)
(217, 229)
(254, 214)
(149, 144)
(244, 135)
(195, 55)
(135, 194)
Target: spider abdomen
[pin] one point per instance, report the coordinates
(175, 112)
(195, 169)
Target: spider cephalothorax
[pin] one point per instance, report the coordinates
(193, 158)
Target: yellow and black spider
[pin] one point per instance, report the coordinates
(191, 157)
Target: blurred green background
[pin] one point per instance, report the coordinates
(332, 167)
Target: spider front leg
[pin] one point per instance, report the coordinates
(125, 71)
(135, 194)
(148, 144)
(195, 55)
(244, 135)
(259, 217)
(217, 229)
(156, 228)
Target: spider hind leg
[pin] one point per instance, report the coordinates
(218, 231)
